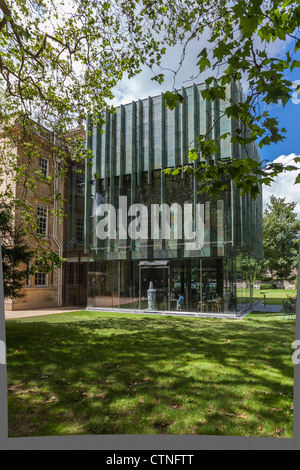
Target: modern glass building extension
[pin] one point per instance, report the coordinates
(154, 243)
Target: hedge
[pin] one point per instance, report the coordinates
(268, 286)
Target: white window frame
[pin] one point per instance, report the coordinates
(81, 227)
(44, 166)
(80, 185)
(41, 207)
(37, 276)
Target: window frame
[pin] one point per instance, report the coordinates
(81, 227)
(44, 170)
(80, 184)
(43, 233)
(37, 276)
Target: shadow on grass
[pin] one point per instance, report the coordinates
(129, 375)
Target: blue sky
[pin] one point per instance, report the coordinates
(289, 118)
(283, 152)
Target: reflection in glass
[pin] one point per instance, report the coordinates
(130, 156)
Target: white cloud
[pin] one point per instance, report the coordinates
(176, 76)
(283, 185)
(141, 86)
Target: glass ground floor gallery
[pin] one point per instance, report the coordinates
(188, 285)
(196, 257)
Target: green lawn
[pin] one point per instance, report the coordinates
(109, 373)
(275, 296)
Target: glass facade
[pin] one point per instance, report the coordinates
(76, 265)
(153, 242)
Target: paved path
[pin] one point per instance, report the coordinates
(262, 308)
(268, 308)
(49, 311)
(39, 312)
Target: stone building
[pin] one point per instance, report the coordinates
(46, 290)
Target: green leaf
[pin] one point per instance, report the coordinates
(224, 136)
(221, 50)
(297, 180)
(172, 99)
(233, 111)
(159, 78)
(295, 63)
(213, 93)
(193, 156)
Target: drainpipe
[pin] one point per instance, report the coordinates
(57, 241)
(55, 237)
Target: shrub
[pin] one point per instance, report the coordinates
(268, 286)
